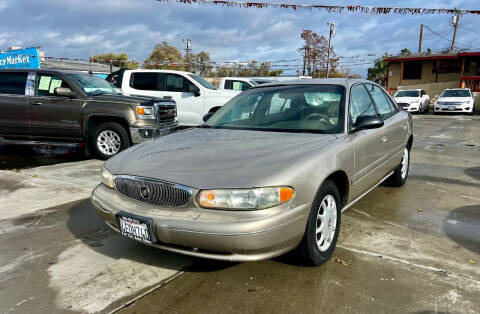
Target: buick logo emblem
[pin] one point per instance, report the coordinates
(144, 192)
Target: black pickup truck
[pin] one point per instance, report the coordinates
(56, 107)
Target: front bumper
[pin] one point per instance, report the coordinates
(453, 108)
(214, 234)
(144, 133)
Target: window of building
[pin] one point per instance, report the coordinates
(448, 66)
(412, 70)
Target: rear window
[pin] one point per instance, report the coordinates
(13, 83)
(144, 81)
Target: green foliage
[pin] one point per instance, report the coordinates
(379, 70)
(118, 60)
(164, 56)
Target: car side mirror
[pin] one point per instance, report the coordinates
(207, 116)
(65, 92)
(368, 122)
(194, 89)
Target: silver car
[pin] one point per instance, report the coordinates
(272, 170)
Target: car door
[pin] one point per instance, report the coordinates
(189, 106)
(395, 126)
(13, 103)
(52, 116)
(369, 146)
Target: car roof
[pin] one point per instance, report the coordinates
(161, 71)
(417, 89)
(457, 89)
(44, 70)
(346, 82)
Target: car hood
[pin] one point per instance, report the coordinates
(129, 99)
(406, 99)
(215, 158)
(454, 99)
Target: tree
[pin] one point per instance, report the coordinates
(201, 63)
(165, 56)
(405, 51)
(315, 54)
(118, 60)
(343, 72)
(379, 71)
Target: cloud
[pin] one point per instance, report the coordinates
(79, 28)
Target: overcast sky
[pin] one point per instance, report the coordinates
(80, 28)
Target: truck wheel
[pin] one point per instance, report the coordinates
(323, 225)
(109, 139)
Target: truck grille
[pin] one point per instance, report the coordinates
(166, 112)
(152, 191)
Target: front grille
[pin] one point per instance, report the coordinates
(166, 113)
(404, 105)
(152, 191)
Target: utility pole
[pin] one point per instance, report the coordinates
(421, 39)
(332, 33)
(187, 53)
(455, 21)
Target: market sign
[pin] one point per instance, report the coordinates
(28, 58)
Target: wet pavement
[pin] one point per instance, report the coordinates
(414, 249)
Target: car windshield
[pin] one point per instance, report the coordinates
(408, 93)
(290, 108)
(456, 93)
(93, 85)
(202, 81)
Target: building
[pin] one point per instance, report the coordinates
(434, 72)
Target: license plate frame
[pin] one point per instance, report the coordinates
(136, 227)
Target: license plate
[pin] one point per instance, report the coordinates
(134, 228)
(451, 107)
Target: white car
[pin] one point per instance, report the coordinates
(412, 100)
(194, 96)
(455, 100)
(236, 83)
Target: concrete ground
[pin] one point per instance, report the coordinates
(414, 249)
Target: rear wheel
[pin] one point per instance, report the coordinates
(109, 139)
(400, 175)
(323, 225)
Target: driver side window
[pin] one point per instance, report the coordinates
(361, 104)
(45, 84)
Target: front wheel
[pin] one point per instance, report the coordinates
(109, 139)
(323, 225)
(400, 175)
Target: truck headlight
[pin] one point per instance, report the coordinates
(145, 112)
(107, 178)
(245, 199)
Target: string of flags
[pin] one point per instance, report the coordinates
(331, 8)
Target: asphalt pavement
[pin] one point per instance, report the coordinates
(414, 249)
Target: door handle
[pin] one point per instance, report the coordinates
(383, 139)
(36, 103)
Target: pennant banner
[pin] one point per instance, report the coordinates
(331, 8)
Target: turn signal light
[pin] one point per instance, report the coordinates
(286, 194)
(140, 110)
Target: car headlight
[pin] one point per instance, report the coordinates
(145, 112)
(245, 199)
(107, 178)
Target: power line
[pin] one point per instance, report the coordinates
(449, 40)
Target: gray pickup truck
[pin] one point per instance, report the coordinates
(56, 107)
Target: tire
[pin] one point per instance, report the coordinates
(114, 138)
(399, 177)
(313, 253)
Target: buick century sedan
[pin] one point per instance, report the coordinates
(271, 171)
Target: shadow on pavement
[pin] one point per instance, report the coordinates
(462, 226)
(24, 157)
(474, 172)
(84, 223)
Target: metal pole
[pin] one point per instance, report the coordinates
(420, 40)
(332, 29)
(456, 20)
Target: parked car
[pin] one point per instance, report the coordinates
(236, 83)
(193, 95)
(57, 107)
(413, 100)
(271, 170)
(455, 100)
